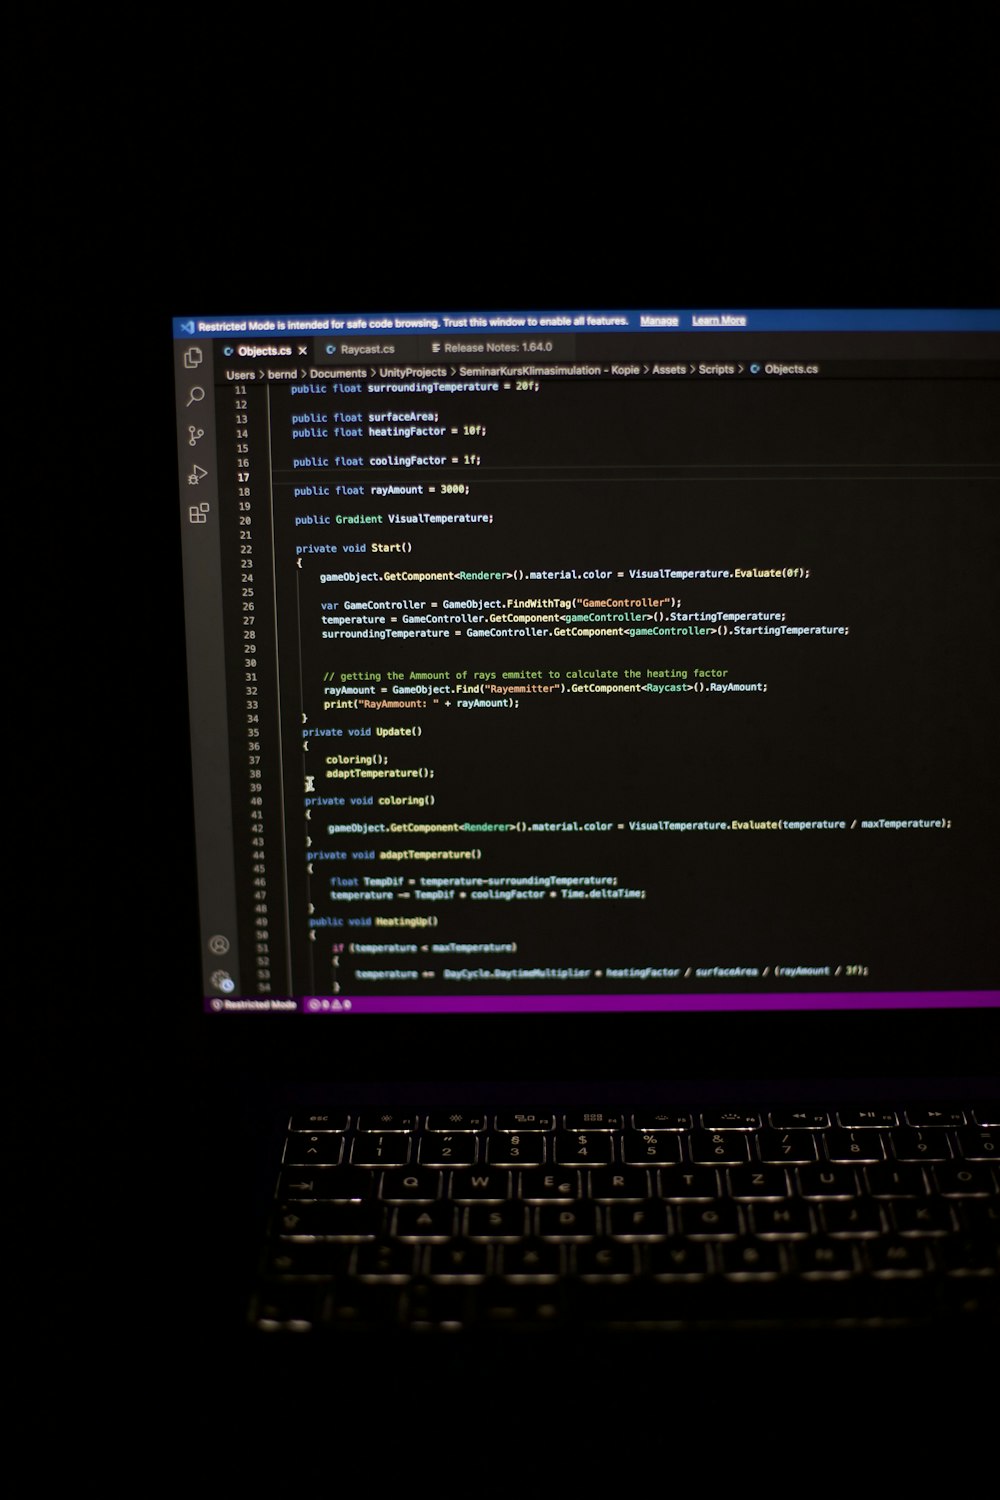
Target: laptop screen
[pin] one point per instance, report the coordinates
(591, 660)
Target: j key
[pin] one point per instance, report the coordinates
(310, 1147)
(335, 1184)
(795, 1146)
(480, 1187)
(447, 1150)
(380, 1150)
(519, 1120)
(930, 1216)
(858, 1220)
(854, 1145)
(605, 1258)
(567, 1221)
(745, 1258)
(912, 1144)
(459, 1260)
(454, 1120)
(979, 1144)
(410, 1187)
(757, 1182)
(799, 1119)
(955, 1179)
(671, 1259)
(684, 1184)
(531, 1260)
(385, 1260)
(657, 1147)
(549, 1187)
(596, 1120)
(710, 1221)
(318, 1120)
(515, 1150)
(588, 1146)
(896, 1258)
(503, 1221)
(725, 1147)
(375, 1121)
(781, 1221)
(867, 1119)
(627, 1184)
(336, 1221)
(823, 1181)
(639, 1221)
(426, 1222)
(664, 1120)
(886, 1180)
(730, 1119)
(922, 1118)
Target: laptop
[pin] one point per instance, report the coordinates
(595, 821)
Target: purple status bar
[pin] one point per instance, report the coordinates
(539, 1004)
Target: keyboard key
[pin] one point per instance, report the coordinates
(756, 1182)
(854, 1145)
(886, 1180)
(893, 1257)
(586, 1147)
(336, 1120)
(567, 1221)
(410, 1187)
(337, 1221)
(548, 1187)
(681, 1184)
(380, 1150)
(481, 1187)
(822, 1258)
(518, 1121)
(652, 1147)
(821, 1182)
(454, 1120)
(447, 1150)
(929, 1216)
(710, 1221)
(336, 1184)
(861, 1219)
(459, 1261)
(793, 1146)
(730, 1119)
(745, 1258)
(724, 1147)
(987, 1114)
(639, 1221)
(662, 1120)
(426, 1222)
(530, 1260)
(515, 1150)
(922, 1118)
(308, 1258)
(372, 1122)
(867, 1119)
(623, 1184)
(605, 1259)
(676, 1259)
(967, 1255)
(599, 1120)
(798, 1119)
(385, 1260)
(309, 1148)
(979, 1144)
(956, 1179)
(911, 1144)
(503, 1221)
(790, 1220)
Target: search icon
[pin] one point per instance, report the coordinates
(196, 393)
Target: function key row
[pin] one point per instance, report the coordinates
(519, 1121)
